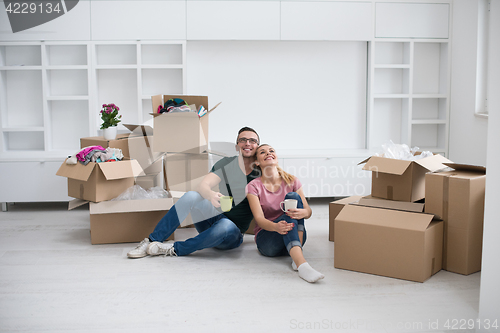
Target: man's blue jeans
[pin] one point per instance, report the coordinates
(215, 229)
(273, 244)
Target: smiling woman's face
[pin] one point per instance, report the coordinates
(266, 155)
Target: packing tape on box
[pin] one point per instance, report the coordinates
(390, 192)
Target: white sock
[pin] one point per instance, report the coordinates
(294, 266)
(309, 274)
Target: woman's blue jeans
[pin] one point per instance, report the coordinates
(215, 229)
(274, 244)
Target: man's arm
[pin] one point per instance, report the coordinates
(205, 189)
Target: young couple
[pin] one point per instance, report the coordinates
(257, 185)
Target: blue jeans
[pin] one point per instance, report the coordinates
(215, 229)
(273, 244)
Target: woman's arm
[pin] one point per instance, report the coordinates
(298, 213)
(281, 227)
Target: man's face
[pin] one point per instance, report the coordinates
(247, 143)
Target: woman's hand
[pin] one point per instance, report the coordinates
(215, 199)
(297, 213)
(282, 227)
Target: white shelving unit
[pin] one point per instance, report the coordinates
(129, 73)
(51, 92)
(409, 95)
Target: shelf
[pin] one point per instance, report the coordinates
(116, 67)
(429, 96)
(431, 68)
(67, 82)
(24, 141)
(161, 54)
(68, 98)
(162, 66)
(23, 129)
(116, 54)
(66, 55)
(392, 53)
(392, 66)
(391, 81)
(20, 68)
(27, 55)
(391, 96)
(67, 67)
(428, 121)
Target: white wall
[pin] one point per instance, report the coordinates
(302, 95)
(489, 306)
(467, 142)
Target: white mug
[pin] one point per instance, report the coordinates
(289, 204)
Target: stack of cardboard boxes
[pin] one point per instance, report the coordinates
(173, 156)
(391, 233)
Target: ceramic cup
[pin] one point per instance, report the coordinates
(226, 203)
(288, 204)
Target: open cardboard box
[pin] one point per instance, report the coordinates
(388, 239)
(126, 221)
(401, 180)
(135, 145)
(180, 132)
(99, 181)
(458, 198)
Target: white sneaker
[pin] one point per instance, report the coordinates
(140, 250)
(157, 248)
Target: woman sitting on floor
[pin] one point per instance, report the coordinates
(278, 234)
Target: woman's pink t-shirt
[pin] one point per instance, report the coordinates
(270, 201)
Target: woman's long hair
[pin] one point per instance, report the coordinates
(288, 178)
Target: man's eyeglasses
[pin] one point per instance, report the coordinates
(251, 140)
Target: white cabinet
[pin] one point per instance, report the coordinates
(412, 20)
(233, 20)
(409, 97)
(32, 181)
(74, 25)
(326, 21)
(138, 20)
(331, 175)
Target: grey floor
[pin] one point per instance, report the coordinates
(53, 280)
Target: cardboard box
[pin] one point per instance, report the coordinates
(153, 176)
(388, 242)
(99, 181)
(180, 132)
(334, 209)
(135, 145)
(401, 180)
(184, 172)
(458, 198)
(126, 221)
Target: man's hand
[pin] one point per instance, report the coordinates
(215, 199)
(282, 227)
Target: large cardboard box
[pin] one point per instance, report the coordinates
(184, 172)
(128, 220)
(180, 132)
(458, 198)
(388, 242)
(99, 181)
(334, 209)
(135, 145)
(401, 180)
